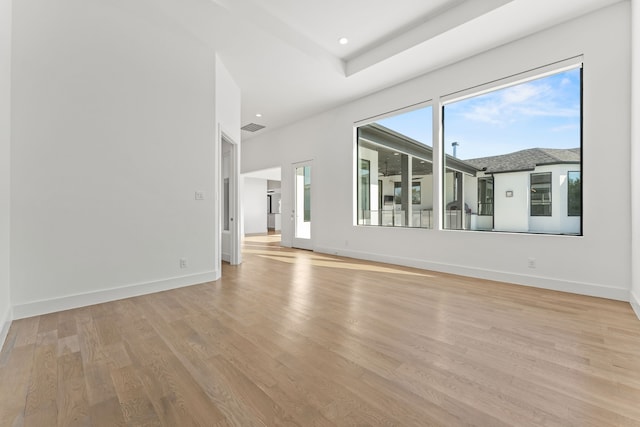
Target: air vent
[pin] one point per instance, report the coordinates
(252, 127)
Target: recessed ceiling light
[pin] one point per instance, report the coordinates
(258, 115)
(343, 40)
(396, 154)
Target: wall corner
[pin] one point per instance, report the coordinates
(5, 324)
(634, 300)
(634, 296)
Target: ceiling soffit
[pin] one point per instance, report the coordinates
(431, 27)
(444, 17)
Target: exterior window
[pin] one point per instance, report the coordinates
(505, 151)
(502, 145)
(307, 194)
(365, 188)
(485, 196)
(416, 191)
(541, 194)
(397, 193)
(574, 196)
(395, 170)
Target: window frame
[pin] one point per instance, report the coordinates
(430, 145)
(361, 184)
(439, 160)
(532, 190)
(481, 203)
(537, 73)
(398, 194)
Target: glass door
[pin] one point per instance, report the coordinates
(229, 202)
(302, 206)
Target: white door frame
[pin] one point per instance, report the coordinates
(297, 242)
(234, 198)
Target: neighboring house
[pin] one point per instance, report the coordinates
(533, 190)
(536, 190)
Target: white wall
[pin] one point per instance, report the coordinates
(511, 213)
(5, 143)
(254, 204)
(114, 126)
(598, 263)
(227, 107)
(228, 96)
(635, 158)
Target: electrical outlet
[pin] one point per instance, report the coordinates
(183, 263)
(531, 263)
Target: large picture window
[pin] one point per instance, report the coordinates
(398, 150)
(512, 156)
(511, 159)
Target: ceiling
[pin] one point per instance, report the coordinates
(285, 55)
(273, 174)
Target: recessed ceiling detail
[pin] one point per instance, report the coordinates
(433, 26)
(285, 56)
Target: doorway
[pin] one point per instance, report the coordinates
(262, 217)
(274, 206)
(301, 213)
(229, 201)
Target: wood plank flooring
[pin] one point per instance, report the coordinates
(293, 338)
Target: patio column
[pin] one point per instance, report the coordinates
(406, 188)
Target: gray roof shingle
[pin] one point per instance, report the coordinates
(526, 159)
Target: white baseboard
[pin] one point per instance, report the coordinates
(37, 308)
(5, 324)
(634, 299)
(590, 289)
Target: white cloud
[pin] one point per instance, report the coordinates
(522, 93)
(535, 99)
(485, 113)
(564, 128)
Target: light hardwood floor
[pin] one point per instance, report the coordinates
(296, 338)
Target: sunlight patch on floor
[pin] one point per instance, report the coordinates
(284, 254)
(343, 265)
(275, 238)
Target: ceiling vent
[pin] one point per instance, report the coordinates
(252, 127)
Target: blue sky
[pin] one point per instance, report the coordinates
(541, 113)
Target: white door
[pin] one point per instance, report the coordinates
(229, 202)
(301, 214)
